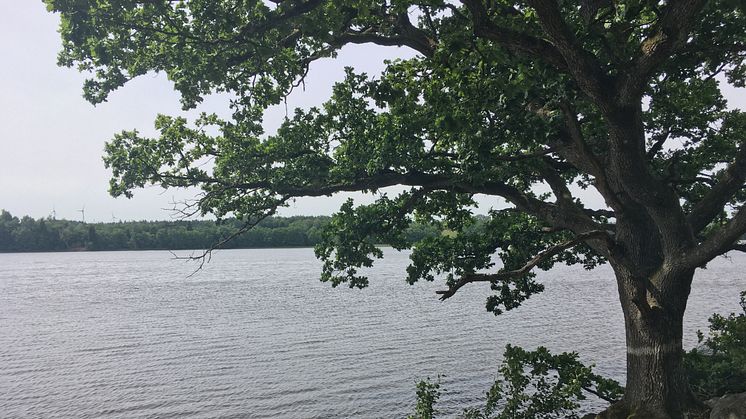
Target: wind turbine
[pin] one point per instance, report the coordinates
(82, 212)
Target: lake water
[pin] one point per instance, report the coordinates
(255, 334)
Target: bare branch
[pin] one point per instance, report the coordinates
(206, 255)
(599, 394)
(658, 142)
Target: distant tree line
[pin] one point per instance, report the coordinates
(27, 234)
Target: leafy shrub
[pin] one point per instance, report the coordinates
(718, 365)
(428, 394)
(532, 384)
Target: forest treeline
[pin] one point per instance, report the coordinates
(27, 234)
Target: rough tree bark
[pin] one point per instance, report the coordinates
(656, 385)
(654, 281)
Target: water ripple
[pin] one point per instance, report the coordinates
(128, 334)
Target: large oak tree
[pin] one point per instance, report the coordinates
(503, 98)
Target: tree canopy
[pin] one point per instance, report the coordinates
(503, 97)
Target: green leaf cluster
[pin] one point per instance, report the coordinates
(718, 365)
(531, 384)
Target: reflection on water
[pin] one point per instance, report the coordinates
(255, 334)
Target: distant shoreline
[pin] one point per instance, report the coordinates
(28, 235)
(158, 250)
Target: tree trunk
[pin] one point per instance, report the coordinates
(657, 386)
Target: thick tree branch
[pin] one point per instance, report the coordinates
(740, 247)
(525, 269)
(728, 183)
(571, 218)
(512, 40)
(724, 238)
(633, 176)
(577, 151)
(422, 46)
(559, 187)
(567, 209)
(584, 67)
(582, 155)
(667, 37)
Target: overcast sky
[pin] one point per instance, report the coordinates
(52, 140)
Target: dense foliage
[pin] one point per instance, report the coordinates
(528, 102)
(718, 365)
(531, 384)
(29, 235)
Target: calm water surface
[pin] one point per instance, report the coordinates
(255, 334)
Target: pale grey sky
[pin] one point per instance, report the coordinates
(52, 140)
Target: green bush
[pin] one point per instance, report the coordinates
(531, 384)
(718, 365)
(428, 394)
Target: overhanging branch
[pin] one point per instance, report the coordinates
(560, 217)
(525, 269)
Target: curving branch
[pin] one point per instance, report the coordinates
(658, 140)
(422, 45)
(719, 242)
(569, 217)
(525, 269)
(728, 183)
